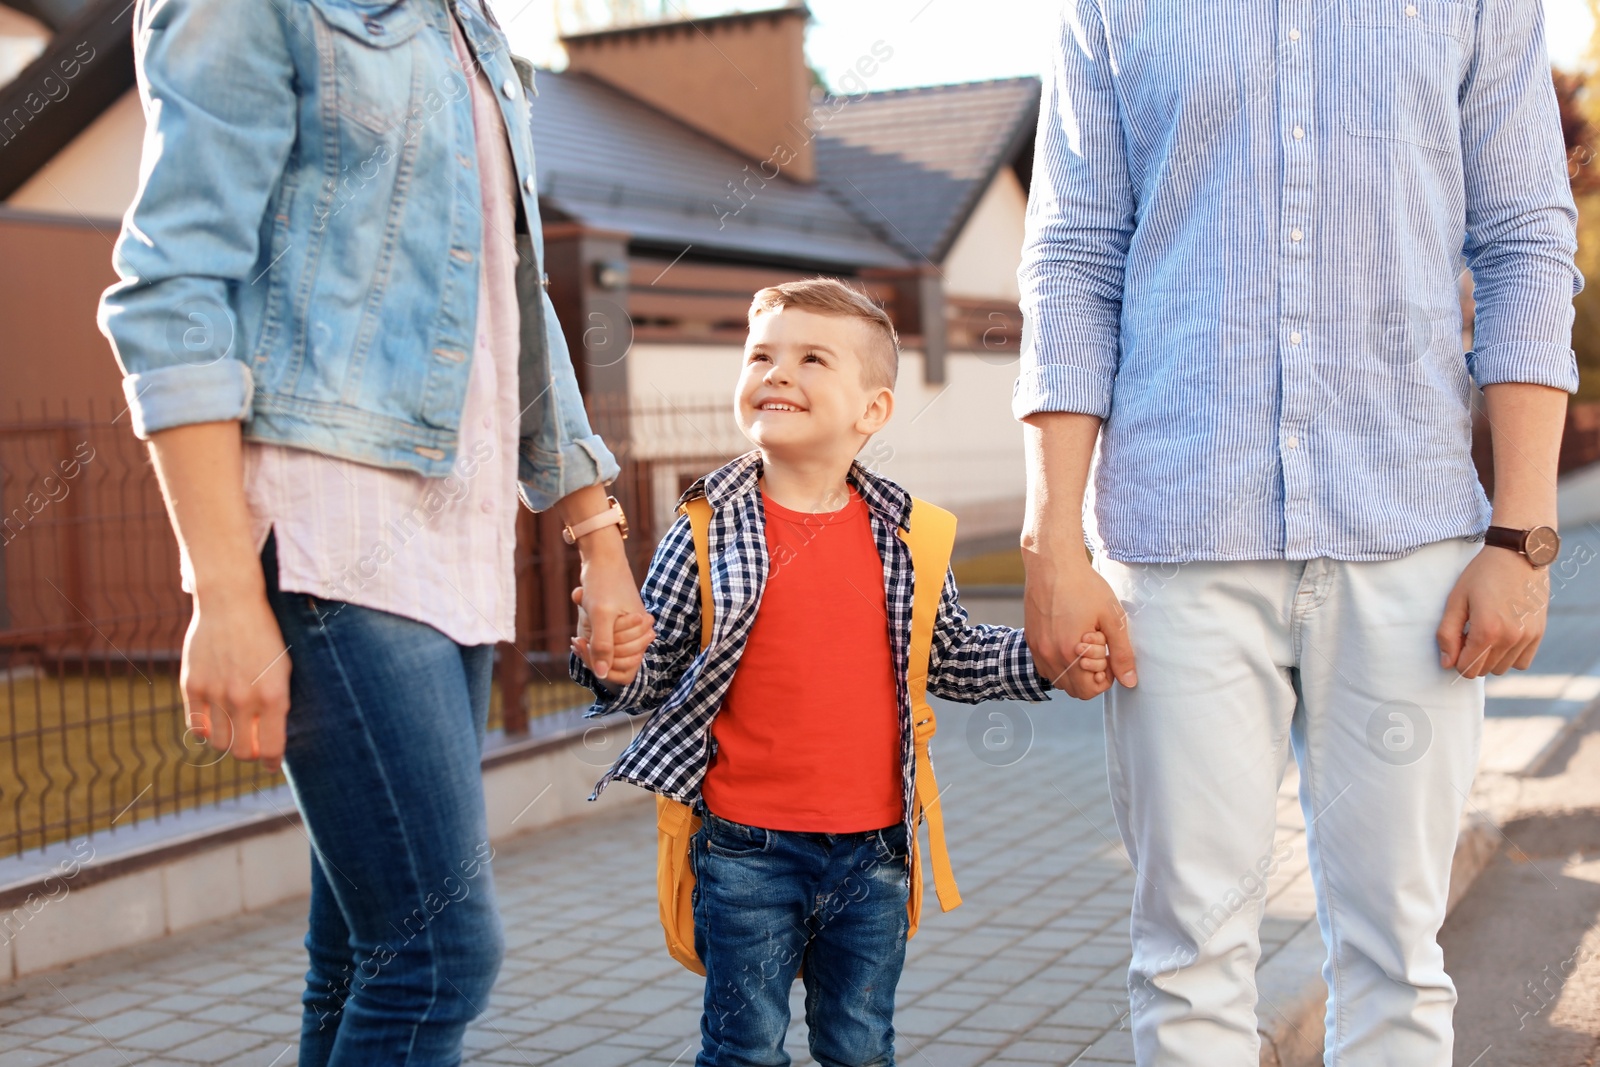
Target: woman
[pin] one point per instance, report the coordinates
(336, 342)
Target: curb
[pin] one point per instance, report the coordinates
(1290, 986)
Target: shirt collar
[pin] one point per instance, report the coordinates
(742, 477)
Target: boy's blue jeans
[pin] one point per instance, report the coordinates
(770, 902)
(385, 730)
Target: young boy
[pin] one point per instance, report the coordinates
(791, 735)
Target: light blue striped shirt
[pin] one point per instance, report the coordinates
(1245, 234)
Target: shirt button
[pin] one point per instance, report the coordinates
(1294, 338)
(488, 422)
(1411, 11)
(1299, 133)
(1294, 35)
(487, 506)
(1294, 442)
(509, 87)
(1295, 235)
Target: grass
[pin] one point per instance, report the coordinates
(83, 751)
(992, 568)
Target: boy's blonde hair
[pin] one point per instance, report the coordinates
(880, 364)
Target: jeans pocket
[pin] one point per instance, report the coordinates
(731, 840)
(1400, 66)
(892, 845)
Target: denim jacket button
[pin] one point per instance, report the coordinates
(509, 87)
(374, 27)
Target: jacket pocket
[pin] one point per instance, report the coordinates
(1400, 65)
(370, 55)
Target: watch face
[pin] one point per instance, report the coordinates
(1542, 546)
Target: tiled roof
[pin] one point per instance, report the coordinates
(898, 172)
(614, 162)
(912, 163)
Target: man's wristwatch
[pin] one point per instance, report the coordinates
(1541, 545)
(611, 516)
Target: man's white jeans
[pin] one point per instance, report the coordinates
(1237, 661)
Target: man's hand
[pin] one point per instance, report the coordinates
(632, 635)
(1501, 599)
(1066, 605)
(1494, 618)
(235, 677)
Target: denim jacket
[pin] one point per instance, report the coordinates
(302, 253)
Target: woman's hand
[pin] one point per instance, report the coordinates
(608, 591)
(632, 636)
(235, 673)
(235, 677)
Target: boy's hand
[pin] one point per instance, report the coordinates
(632, 636)
(1092, 660)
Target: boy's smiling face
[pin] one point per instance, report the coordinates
(802, 394)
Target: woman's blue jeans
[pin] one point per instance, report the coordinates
(385, 730)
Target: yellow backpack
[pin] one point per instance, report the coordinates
(931, 537)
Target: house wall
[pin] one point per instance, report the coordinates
(97, 174)
(983, 261)
(22, 37)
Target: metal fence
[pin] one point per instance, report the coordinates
(92, 616)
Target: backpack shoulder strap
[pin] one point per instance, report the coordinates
(676, 822)
(931, 539)
(699, 512)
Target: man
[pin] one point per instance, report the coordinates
(1240, 274)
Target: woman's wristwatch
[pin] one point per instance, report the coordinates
(612, 516)
(1541, 545)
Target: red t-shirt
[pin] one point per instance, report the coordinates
(808, 737)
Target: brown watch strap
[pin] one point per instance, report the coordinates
(1506, 537)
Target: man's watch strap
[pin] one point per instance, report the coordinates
(611, 516)
(1540, 544)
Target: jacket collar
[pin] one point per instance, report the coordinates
(742, 477)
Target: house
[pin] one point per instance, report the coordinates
(682, 165)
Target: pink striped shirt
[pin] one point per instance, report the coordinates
(438, 550)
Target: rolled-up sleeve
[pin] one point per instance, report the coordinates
(1079, 225)
(1520, 218)
(566, 455)
(216, 83)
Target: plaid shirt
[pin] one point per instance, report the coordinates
(681, 687)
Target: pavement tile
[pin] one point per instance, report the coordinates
(167, 1036)
(45, 1025)
(223, 1044)
(67, 1043)
(601, 1055)
(27, 1057)
(566, 1037)
(968, 1035)
(106, 1056)
(962, 1002)
(942, 1054)
(926, 1022)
